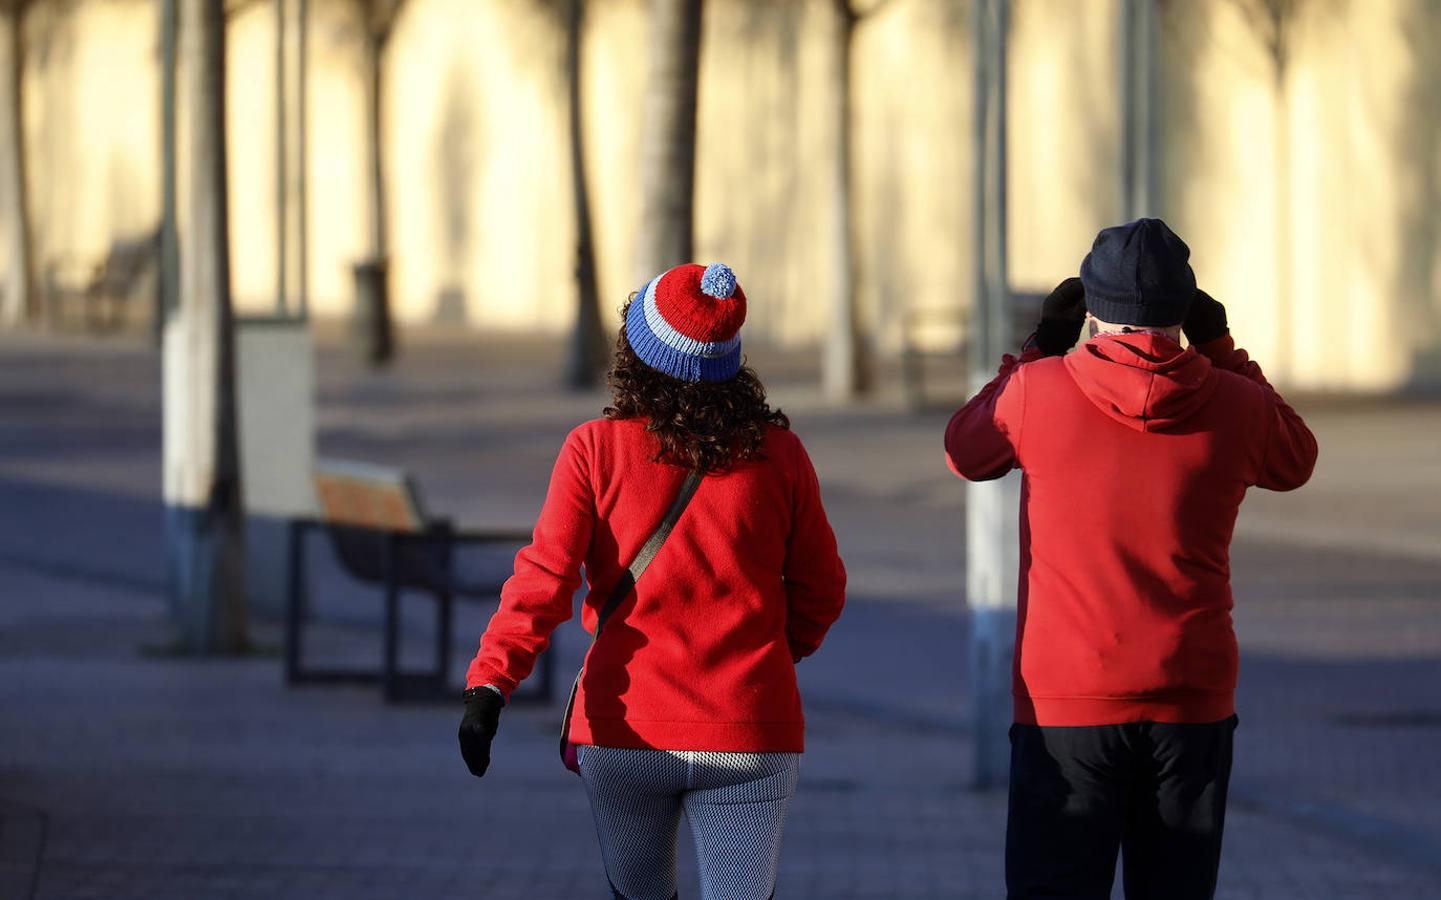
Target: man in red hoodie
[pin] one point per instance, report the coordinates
(1135, 456)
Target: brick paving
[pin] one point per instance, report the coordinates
(160, 778)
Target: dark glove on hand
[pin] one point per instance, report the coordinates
(1206, 319)
(477, 729)
(1063, 313)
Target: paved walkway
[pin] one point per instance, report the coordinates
(135, 776)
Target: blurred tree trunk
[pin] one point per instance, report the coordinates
(1137, 65)
(167, 285)
(1274, 21)
(379, 23)
(588, 350)
(202, 459)
(17, 300)
(665, 235)
(844, 369)
(845, 360)
(372, 313)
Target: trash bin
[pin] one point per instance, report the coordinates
(373, 331)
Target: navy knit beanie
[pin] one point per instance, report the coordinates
(1139, 274)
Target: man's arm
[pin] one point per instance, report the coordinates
(983, 438)
(1290, 451)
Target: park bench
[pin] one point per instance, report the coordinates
(381, 535)
(108, 285)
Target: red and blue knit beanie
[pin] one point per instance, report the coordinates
(686, 323)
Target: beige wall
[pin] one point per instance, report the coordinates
(1065, 136)
(1311, 207)
(91, 98)
(476, 164)
(913, 63)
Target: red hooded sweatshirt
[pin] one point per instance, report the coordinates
(701, 655)
(1135, 456)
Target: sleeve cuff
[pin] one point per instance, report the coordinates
(1218, 349)
(800, 650)
(1030, 350)
(492, 680)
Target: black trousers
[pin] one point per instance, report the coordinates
(1154, 792)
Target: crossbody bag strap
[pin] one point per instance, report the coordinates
(649, 549)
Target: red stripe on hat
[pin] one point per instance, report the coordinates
(694, 314)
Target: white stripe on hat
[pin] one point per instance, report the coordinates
(674, 339)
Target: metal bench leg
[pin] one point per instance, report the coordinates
(297, 611)
(391, 672)
(547, 672)
(444, 604)
(295, 591)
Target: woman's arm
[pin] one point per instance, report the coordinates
(814, 574)
(539, 596)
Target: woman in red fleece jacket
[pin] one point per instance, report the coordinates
(689, 703)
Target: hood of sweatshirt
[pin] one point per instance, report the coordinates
(1142, 380)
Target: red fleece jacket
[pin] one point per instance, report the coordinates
(700, 655)
(1135, 457)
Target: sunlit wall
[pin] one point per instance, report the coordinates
(1308, 188)
(91, 92)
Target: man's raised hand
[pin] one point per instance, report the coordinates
(1206, 320)
(1063, 313)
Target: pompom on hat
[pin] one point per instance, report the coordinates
(686, 323)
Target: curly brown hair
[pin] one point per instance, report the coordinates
(703, 425)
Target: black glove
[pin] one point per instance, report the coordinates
(1063, 313)
(1206, 319)
(477, 729)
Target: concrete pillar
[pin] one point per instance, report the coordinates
(276, 388)
(991, 507)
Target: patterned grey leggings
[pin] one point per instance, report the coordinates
(736, 804)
